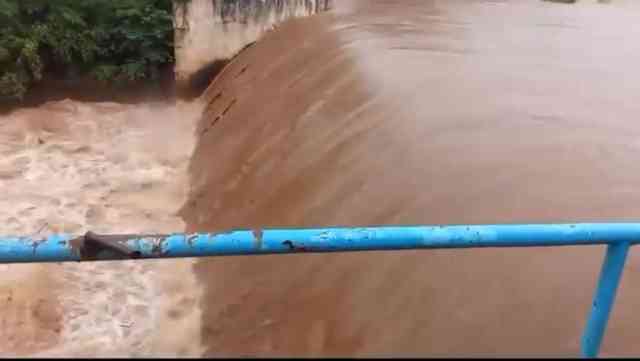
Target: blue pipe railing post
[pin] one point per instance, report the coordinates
(604, 298)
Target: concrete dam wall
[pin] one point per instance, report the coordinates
(404, 112)
(209, 32)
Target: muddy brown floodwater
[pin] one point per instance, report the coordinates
(422, 112)
(71, 166)
(379, 112)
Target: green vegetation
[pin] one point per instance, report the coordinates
(113, 40)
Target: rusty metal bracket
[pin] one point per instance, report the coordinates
(91, 244)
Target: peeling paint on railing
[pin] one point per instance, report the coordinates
(618, 237)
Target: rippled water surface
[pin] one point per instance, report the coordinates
(422, 112)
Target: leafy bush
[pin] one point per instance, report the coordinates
(115, 40)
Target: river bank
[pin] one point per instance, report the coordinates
(58, 86)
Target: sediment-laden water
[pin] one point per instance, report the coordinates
(380, 112)
(70, 166)
(422, 112)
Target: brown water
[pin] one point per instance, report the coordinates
(384, 112)
(71, 166)
(422, 112)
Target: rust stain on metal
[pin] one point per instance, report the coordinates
(89, 246)
(257, 234)
(76, 245)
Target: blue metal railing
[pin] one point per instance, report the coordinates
(618, 237)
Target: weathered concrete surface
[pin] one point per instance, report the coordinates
(208, 32)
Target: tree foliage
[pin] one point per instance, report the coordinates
(114, 40)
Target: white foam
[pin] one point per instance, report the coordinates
(71, 167)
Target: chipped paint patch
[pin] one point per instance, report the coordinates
(191, 239)
(295, 246)
(257, 235)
